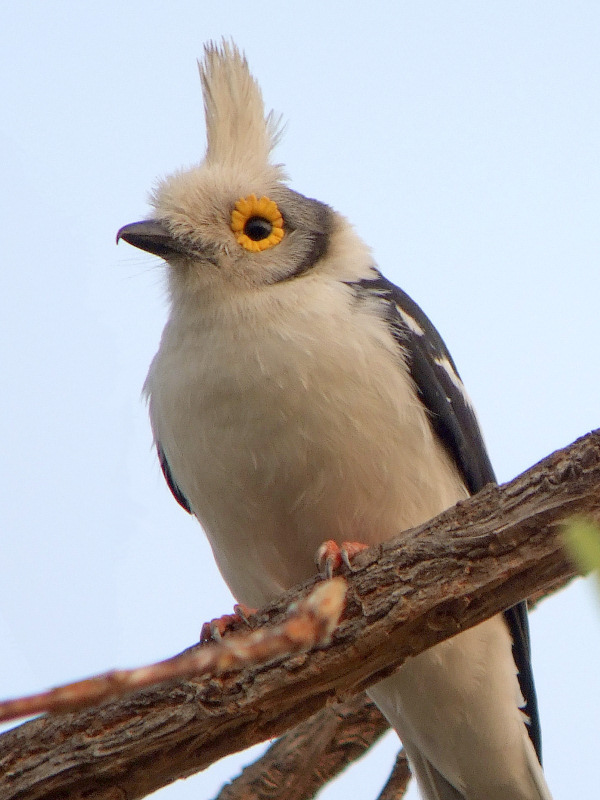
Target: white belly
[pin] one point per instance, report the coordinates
(280, 441)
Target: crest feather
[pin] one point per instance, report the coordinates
(239, 134)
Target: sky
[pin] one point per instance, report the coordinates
(461, 139)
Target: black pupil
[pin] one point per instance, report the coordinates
(257, 228)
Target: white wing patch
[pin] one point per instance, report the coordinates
(412, 324)
(445, 364)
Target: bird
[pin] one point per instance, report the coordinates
(298, 396)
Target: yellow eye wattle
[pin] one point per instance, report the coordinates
(257, 224)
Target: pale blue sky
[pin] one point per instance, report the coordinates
(462, 141)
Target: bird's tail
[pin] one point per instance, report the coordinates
(457, 710)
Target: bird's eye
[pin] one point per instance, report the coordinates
(257, 224)
(258, 228)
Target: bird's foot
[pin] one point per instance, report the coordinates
(214, 630)
(330, 556)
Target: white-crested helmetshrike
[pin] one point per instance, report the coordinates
(298, 396)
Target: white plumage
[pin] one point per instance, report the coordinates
(282, 425)
(284, 405)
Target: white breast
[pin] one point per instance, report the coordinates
(287, 418)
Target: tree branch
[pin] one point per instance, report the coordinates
(471, 562)
(307, 757)
(311, 622)
(398, 780)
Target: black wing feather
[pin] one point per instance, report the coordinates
(166, 470)
(455, 423)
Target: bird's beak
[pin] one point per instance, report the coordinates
(152, 236)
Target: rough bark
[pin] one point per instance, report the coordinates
(307, 757)
(475, 560)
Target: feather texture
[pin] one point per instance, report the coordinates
(298, 396)
(238, 134)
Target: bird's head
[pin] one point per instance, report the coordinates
(232, 221)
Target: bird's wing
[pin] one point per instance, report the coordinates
(166, 470)
(453, 420)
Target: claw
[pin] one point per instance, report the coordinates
(244, 613)
(214, 630)
(351, 549)
(330, 556)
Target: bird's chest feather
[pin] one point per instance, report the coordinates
(292, 431)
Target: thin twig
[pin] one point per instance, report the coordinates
(310, 623)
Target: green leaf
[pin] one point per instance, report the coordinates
(582, 539)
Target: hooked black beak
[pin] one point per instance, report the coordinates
(152, 236)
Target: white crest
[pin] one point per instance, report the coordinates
(239, 134)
